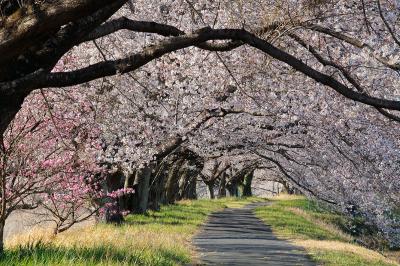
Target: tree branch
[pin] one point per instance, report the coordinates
(356, 43)
(346, 74)
(16, 36)
(291, 179)
(124, 23)
(42, 79)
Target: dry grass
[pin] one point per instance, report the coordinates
(393, 255)
(141, 245)
(388, 256)
(284, 196)
(325, 245)
(127, 236)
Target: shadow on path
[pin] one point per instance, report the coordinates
(238, 237)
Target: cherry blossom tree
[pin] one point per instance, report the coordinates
(228, 79)
(31, 55)
(42, 161)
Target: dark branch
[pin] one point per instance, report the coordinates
(42, 79)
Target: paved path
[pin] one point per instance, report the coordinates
(237, 237)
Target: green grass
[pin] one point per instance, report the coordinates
(45, 254)
(157, 238)
(285, 223)
(318, 230)
(336, 258)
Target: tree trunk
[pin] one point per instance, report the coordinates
(211, 189)
(113, 214)
(182, 183)
(127, 201)
(233, 190)
(2, 223)
(187, 185)
(157, 188)
(191, 191)
(172, 186)
(222, 186)
(287, 188)
(141, 186)
(247, 184)
(7, 113)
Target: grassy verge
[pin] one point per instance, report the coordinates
(158, 238)
(318, 231)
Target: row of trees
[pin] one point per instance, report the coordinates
(164, 93)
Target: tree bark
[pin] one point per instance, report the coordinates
(141, 185)
(287, 188)
(233, 190)
(8, 112)
(248, 178)
(157, 188)
(172, 186)
(190, 190)
(210, 186)
(113, 214)
(127, 201)
(187, 185)
(222, 186)
(2, 223)
(32, 42)
(182, 183)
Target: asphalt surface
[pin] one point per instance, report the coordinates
(238, 237)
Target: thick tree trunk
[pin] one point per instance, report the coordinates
(233, 190)
(113, 214)
(190, 190)
(287, 188)
(172, 186)
(248, 178)
(141, 185)
(211, 190)
(222, 186)
(127, 201)
(187, 185)
(182, 183)
(157, 188)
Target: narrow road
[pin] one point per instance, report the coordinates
(238, 237)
